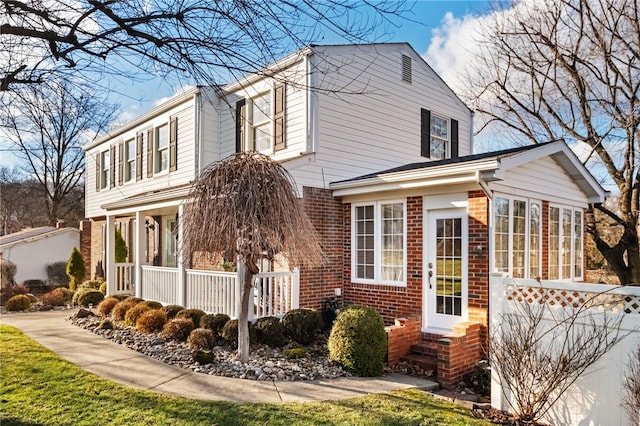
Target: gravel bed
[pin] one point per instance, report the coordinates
(265, 363)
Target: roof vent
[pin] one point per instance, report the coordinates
(406, 69)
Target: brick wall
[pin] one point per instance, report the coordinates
(400, 336)
(325, 212)
(459, 352)
(390, 301)
(85, 245)
(478, 210)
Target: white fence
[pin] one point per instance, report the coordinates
(595, 398)
(274, 293)
(124, 282)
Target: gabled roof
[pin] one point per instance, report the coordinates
(32, 234)
(485, 167)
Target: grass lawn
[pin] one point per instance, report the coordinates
(39, 388)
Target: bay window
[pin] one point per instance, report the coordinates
(378, 254)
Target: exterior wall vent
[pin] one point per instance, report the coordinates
(406, 69)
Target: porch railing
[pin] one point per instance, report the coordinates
(124, 282)
(213, 291)
(275, 293)
(160, 284)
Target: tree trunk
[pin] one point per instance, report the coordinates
(623, 257)
(243, 319)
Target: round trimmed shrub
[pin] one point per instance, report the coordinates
(19, 302)
(296, 353)
(103, 287)
(192, 314)
(120, 297)
(215, 323)
(270, 331)
(201, 339)
(230, 333)
(57, 297)
(10, 291)
(358, 341)
(134, 313)
(120, 310)
(89, 297)
(106, 306)
(152, 304)
(151, 321)
(133, 299)
(105, 324)
(93, 284)
(177, 329)
(172, 310)
(301, 325)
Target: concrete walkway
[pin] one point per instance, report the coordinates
(115, 362)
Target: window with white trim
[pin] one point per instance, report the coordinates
(565, 243)
(105, 162)
(439, 137)
(130, 160)
(379, 242)
(517, 237)
(161, 151)
(261, 123)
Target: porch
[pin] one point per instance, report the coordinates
(273, 293)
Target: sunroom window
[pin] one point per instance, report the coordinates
(379, 243)
(565, 242)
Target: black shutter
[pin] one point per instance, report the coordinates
(278, 118)
(150, 153)
(139, 147)
(454, 138)
(173, 144)
(240, 123)
(425, 133)
(112, 168)
(120, 162)
(98, 171)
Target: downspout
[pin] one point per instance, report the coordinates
(473, 114)
(196, 125)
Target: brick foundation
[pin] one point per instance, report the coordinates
(458, 353)
(400, 336)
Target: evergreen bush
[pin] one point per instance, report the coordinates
(151, 321)
(120, 309)
(230, 333)
(122, 252)
(89, 297)
(177, 329)
(106, 306)
(75, 269)
(270, 331)
(193, 314)
(134, 313)
(201, 339)
(19, 302)
(172, 310)
(215, 323)
(358, 341)
(301, 325)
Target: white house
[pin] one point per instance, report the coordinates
(412, 220)
(32, 249)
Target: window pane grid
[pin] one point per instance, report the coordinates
(449, 266)
(566, 243)
(392, 235)
(365, 242)
(519, 238)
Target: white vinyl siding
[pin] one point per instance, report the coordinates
(379, 235)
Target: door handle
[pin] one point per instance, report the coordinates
(429, 279)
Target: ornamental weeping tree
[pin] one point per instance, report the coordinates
(248, 203)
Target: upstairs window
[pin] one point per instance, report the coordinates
(379, 243)
(438, 136)
(130, 160)
(161, 152)
(104, 172)
(260, 122)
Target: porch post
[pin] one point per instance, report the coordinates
(181, 261)
(110, 251)
(138, 256)
(295, 296)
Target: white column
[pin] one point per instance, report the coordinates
(181, 261)
(110, 252)
(496, 300)
(138, 257)
(295, 293)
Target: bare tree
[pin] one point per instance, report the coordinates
(247, 203)
(631, 386)
(48, 125)
(540, 350)
(570, 69)
(200, 39)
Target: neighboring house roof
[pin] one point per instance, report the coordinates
(32, 234)
(481, 168)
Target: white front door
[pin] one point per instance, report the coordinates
(446, 269)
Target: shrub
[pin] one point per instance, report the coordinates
(134, 313)
(8, 292)
(215, 323)
(270, 331)
(106, 306)
(479, 380)
(358, 341)
(203, 357)
(301, 325)
(192, 314)
(34, 284)
(230, 333)
(105, 324)
(172, 310)
(57, 297)
(201, 339)
(120, 297)
(19, 302)
(152, 304)
(90, 297)
(151, 321)
(133, 299)
(177, 329)
(8, 271)
(91, 284)
(121, 308)
(57, 274)
(121, 251)
(295, 353)
(103, 287)
(75, 269)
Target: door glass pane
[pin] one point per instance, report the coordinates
(449, 266)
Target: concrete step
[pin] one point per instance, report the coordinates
(426, 362)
